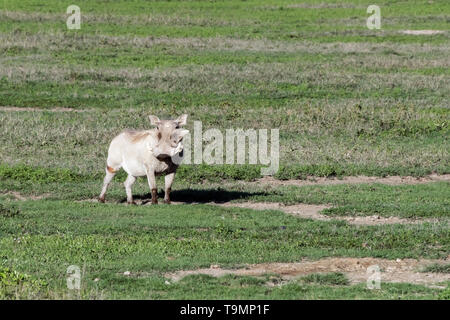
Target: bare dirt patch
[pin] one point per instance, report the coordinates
(305, 211)
(422, 32)
(407, 270)
(308, 211)
(312, 211)
(21, 197)
(390, 180)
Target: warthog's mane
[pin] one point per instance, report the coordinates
(136, 136)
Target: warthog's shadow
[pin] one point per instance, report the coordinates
(200, 196)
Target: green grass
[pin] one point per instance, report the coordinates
(107, 240)
(442, 268)
(8, 210)
(249, 19)
(319, 149)
(201, 173)
(334, 278)
(16, 285)
(347, 101)
(407, 201)
(227, 287)
(231, 287)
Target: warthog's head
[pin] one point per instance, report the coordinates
(169, 135)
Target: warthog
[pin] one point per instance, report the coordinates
(146, 153)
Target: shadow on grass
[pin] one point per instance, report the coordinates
(200, 196)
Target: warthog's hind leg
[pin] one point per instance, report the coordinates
(110, 173)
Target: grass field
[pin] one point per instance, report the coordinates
(348, 101)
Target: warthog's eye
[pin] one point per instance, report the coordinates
(159, 136)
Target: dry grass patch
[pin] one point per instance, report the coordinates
(18, 196)
(54, 41)
(142, 19)
(269, 78)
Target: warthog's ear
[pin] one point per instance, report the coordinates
(179, 134)
(154, 120)
(182, 120)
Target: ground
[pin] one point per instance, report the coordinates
(364, 149)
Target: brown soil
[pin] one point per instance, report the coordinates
(306, 211)
(391, 180)
(21, 197)
(312, 211)
(309, 211)
(355, 269)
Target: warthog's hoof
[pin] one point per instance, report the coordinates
(167, 201)
(154, 196)
(102, 200)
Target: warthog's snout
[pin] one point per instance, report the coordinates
(162, 157)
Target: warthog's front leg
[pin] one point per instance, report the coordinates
(152, 184)
(168, 185)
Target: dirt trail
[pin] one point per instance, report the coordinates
(305, 211)
(355, 269)
(56, 109)
(390, 180)
(423, 32)
(21, 197)
(312, 211)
